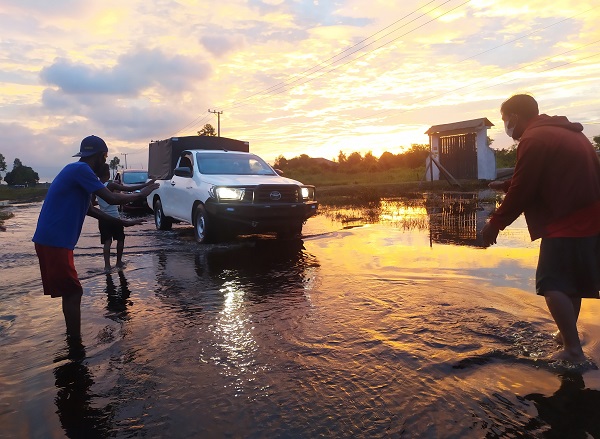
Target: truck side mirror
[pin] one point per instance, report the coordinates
(183, 171)
(279, 171)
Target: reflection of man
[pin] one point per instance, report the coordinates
(78, 414)
(556, 183)
(117, 298)
(60, 222)
(572, 411)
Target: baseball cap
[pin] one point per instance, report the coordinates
(91, 145)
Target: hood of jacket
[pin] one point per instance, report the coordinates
(543, 120)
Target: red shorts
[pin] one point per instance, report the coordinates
(59, 276)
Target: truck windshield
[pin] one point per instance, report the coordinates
(135, 177)
(232, 164)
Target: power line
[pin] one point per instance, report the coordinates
(315, 69)
(483, 80)
(361, 56)
(268, 92)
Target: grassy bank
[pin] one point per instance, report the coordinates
(23, 194)
(20, 194)
(337, 189)
(390, 176)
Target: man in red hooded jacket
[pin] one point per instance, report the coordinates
(556, 184)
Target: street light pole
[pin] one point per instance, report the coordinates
(125, 159)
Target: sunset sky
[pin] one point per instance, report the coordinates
(290, 76)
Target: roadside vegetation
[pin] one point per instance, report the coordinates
(24, 194)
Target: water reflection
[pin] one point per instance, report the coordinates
(117, 297)
(571, 412)
(74, 399)
(261, 267)
(451, 217)
(456, 218)
(236, 293)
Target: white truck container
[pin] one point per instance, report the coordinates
(223, 190)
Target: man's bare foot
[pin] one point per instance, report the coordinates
(558, 338)
(568, 356)
(120, 265)
(107, 269)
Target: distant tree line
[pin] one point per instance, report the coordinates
(20, 175)
(414, 157)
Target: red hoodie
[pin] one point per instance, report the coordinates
(556, 182)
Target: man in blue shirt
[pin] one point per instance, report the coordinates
(60, 222)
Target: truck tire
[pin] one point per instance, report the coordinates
(203, 226)
(161, 221)
(292, 231)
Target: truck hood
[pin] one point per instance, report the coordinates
(247, 180)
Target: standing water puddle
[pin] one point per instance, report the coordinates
(387, 320)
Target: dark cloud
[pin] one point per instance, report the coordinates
(309, 13)
(44, 153)
(221, 45)
(306, 14)
(133, 73)
(53, 8)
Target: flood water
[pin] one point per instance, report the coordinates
(385, 321)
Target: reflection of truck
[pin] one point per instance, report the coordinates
(218, 186)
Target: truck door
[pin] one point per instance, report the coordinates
(182, 190)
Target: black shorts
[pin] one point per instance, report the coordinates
(110, 231)
(569, 265)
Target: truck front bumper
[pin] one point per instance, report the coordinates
(262, 217)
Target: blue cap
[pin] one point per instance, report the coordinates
(91, 145)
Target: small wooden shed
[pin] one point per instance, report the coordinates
(462, 149)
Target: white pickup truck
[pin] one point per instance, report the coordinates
(223, 190)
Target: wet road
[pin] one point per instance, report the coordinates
(377, 326)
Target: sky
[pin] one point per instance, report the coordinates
(291, 77)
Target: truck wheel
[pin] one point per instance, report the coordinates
(161, 221)
(291, 231)
(203, 227)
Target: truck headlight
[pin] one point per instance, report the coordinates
(229, 193)
(308, 193)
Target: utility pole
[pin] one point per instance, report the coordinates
(125, 159)
(218, 113)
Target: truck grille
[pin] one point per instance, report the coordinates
(277, 194)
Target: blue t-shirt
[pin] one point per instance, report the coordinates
(65, 206)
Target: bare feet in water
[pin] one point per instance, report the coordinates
(558, 338)
(571, 357)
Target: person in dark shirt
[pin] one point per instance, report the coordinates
(556, 184)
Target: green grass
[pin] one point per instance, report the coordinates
(364, 188)
(33, 193)
(321, 179)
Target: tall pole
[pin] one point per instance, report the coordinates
(125, 159)
(218, 113)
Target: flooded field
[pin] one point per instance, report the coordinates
(386, 320)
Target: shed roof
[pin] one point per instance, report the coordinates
(465, 124)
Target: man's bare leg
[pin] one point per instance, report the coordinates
(71, 305)
(576, 301)
(120, 246)
(564, 314)
(107, 244)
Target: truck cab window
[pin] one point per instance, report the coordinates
(186, 161)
